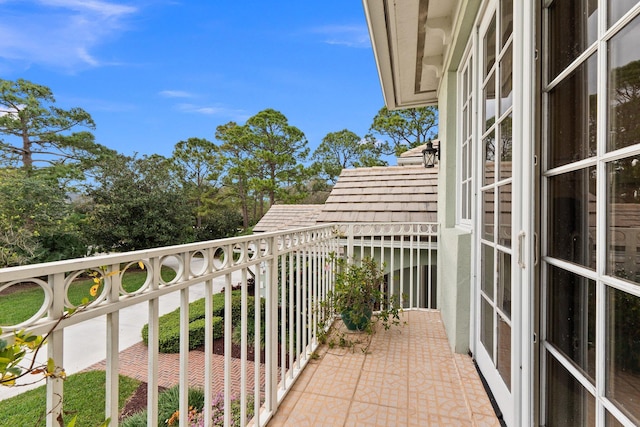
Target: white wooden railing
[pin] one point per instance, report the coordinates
(292, 271)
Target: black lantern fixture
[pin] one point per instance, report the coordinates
(429, 155)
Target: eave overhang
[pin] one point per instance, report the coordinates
(410, 40)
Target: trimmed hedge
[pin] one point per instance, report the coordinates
(169, 340)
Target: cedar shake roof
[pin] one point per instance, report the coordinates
(377, 194)
(283, 217)
(383, 194)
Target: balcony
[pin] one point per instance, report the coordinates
(409, 377)
(292, 272)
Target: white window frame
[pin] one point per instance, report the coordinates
(465, 181)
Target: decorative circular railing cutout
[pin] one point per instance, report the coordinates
(135, 277)
(24, 316)
(171, 269)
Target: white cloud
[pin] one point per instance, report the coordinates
(11, 111)
(176, 94)
(237, 115)
(191, 108)
(345, 35)
(100, 7)
(59, 33)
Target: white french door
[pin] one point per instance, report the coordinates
(496, 337)
(590, 343)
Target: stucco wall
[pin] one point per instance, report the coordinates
(454, 255)
(454, 269)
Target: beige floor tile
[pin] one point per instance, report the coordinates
(335, 382)
(305, 376)
(343, 358)
(440, 370)
(477, 397)
(408, 377)
(439, 398)
(440, 421)
(465, 366)
(481, 420)
(366, 414)
(316, 410)
(290, 400)
(382, 389)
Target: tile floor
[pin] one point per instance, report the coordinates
(408, 377)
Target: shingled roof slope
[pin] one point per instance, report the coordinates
(383, 194)
(283, 217)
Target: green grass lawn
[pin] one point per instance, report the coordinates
(20, 305)
(84, 395)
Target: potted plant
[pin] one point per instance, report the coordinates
(359, 295)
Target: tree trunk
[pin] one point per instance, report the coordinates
(27, 159)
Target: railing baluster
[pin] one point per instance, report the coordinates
(412, 294)
(271, 362)
(306, 312)
(184, 343)
(55, 345)
(429, 273)
(291, 325)
(208, 346)
(243, 346)
(228, 314)
(282, 308)
(392, 270)
(299, 311)
(153, 347)
(257, 333)
(113, 333)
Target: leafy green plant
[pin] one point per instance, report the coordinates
(359, 296)
(168, 405)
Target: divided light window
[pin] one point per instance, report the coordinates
(465, 142)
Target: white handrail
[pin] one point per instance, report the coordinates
(292, 270)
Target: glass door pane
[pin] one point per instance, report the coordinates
(591, 217)
(495, 208)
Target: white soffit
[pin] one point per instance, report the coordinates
(410, 39)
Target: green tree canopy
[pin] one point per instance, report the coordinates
(137, 204)
(197, 163)
(37, 221)
(280, 149)
(33, 130)
(263, 160)
(405, 129)
(344, 149)
(239, 165)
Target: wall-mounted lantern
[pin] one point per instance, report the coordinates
(429, 155)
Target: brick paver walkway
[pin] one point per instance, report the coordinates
(134, 362)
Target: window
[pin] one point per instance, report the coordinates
(465, 142)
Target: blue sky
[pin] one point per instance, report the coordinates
(154, 72)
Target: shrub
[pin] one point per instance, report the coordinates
(217, 416)
(169, 337)
(168, 404)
